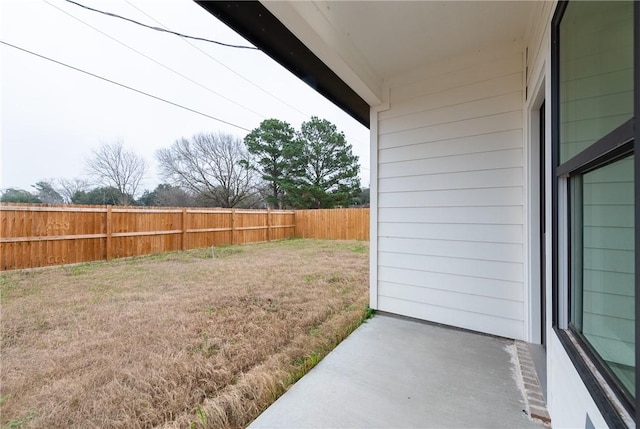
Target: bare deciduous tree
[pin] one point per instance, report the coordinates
(113, 165)
(68, 187)
(212, 166)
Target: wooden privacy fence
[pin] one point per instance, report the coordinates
(334, 224)
(35, 235)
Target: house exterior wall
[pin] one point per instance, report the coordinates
(455, 206)
(450, 181)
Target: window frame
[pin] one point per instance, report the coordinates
(617, 144)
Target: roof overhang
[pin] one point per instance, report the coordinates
(255, 23)
(353, 51)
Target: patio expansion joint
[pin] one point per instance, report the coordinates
(536, 407)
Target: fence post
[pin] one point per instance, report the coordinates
(233, 227)
(268, 224)
(183, 243)
(109, 233)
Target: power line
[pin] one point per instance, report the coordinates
(114, 15)
(157, 62)
(305, 115)
(124, 86)
(224, 65)
(184, 36)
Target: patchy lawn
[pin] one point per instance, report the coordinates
(174, 340)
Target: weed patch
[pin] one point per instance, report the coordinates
(226, 251)
(7, 284)
(368, 313)
(20, 423)
(360, 248)
(81, 269)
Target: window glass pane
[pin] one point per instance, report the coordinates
(596, 72)
(603, 265)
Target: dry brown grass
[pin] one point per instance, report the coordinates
(174, 340)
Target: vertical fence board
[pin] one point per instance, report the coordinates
(12, 252)
(233, 226)
(98, 223)
(36, 246)
(109, 230)
(183, 226)
(21, 231)
(269, 224)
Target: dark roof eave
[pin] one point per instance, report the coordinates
(255, 23)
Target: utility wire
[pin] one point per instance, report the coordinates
(114, 15)
(124, 86)
(305, 115)
(157, 62)
(185, 36)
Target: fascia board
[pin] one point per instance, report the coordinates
(306, 21)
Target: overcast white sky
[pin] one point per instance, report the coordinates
(52, 117)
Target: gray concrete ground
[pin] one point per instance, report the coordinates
(397, 373)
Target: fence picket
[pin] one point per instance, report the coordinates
(109, 228)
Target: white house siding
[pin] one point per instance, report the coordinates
(450, 194)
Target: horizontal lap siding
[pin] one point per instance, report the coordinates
(450, 197)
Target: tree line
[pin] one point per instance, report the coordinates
(273, 166)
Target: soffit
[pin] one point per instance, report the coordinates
(369, 42)
(397, 36)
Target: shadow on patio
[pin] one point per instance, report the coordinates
(393, 372)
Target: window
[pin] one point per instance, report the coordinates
(596, 72)
(595, 95)
(602, 265)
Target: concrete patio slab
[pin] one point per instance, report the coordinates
(398, 373)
